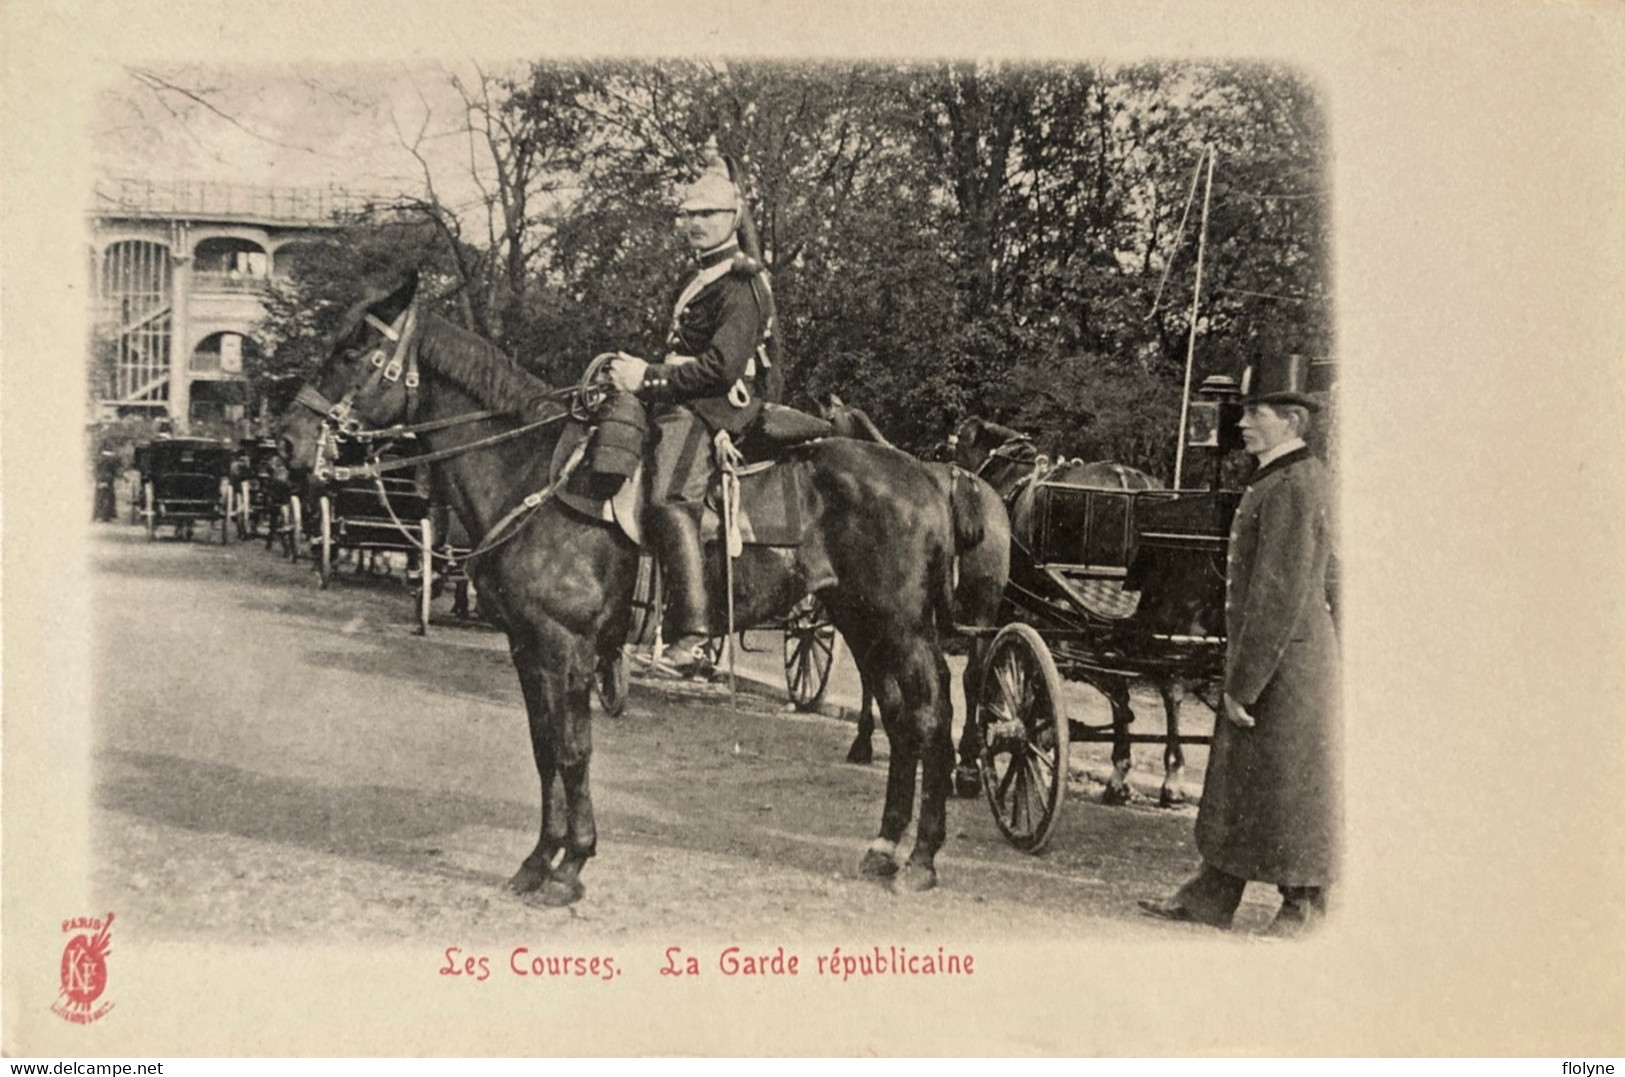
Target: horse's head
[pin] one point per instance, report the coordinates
(975, 439)
(363, 383)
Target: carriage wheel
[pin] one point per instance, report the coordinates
(425, 575)
(296, 527)
(245, 519)
(646, 603)
(149, 498)
(612, 682)
(228, 512)
(809, 652)
(1024, 737)
(325, 562)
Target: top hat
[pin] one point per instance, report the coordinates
(1278, 379)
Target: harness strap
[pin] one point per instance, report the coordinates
(374, 468)
(389, 433)
(527, 507)
(311, 398)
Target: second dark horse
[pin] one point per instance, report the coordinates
(1010, 462)
(982, 570)
(877, 547)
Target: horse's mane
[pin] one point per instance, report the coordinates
(478, 367)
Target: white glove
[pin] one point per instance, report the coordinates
(626, 372)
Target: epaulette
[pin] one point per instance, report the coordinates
(745, 266)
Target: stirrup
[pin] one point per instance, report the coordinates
(693, 660)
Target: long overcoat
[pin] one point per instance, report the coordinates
(1271, 803)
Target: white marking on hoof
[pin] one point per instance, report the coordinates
(883, 847)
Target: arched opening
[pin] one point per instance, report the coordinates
(223, 354)
(226, 263)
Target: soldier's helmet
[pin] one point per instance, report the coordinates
(713, 189)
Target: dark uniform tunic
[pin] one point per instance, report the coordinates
(722, 326)
(1271, 803)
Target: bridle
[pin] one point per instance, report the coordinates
(1019, 449)
(399, 363)
(388, 366)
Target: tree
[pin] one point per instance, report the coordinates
(1015, 241)
(304, 310)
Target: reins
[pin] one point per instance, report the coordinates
(585, 397)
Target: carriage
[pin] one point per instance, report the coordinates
(810, 641)
(1113, 586)
(259, 489)
(184, 482)
(368, 517)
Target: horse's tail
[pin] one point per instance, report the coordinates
(970, 526)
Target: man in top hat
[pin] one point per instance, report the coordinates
(708, 382)
(1271, 802)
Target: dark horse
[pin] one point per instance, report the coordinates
(877, 548)
(1010, 462)
(983, 570)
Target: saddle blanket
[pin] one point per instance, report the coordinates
(770, 508)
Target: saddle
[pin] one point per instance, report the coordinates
(769, 510)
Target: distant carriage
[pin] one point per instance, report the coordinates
(368, 516)
(810, 639)
(260, 488)
(184, 482)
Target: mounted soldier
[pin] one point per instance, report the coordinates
(716, 378)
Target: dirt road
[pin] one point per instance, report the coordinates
(279, 763)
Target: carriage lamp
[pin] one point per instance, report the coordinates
(1212, 421)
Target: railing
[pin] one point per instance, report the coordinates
(187, 198)
(205, 280)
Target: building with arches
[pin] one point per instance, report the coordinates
(179, 273)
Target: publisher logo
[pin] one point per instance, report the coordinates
(84, 970)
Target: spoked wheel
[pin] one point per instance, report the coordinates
(809, 652)
(716, 653)
(245, 515)
(1024, 737)
(325, 560)
(647, 603)
(150, 501)
(612, 682)
(227, 512)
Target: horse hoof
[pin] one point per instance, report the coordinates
(877, 865)
(1171, 798)
(967, 782)
(862, 753)
(528, 879)
(1116, 795)
(915, 879)
(557, 893)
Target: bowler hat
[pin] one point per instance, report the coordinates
(1278, 379)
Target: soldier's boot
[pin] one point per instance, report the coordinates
(676, 541)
